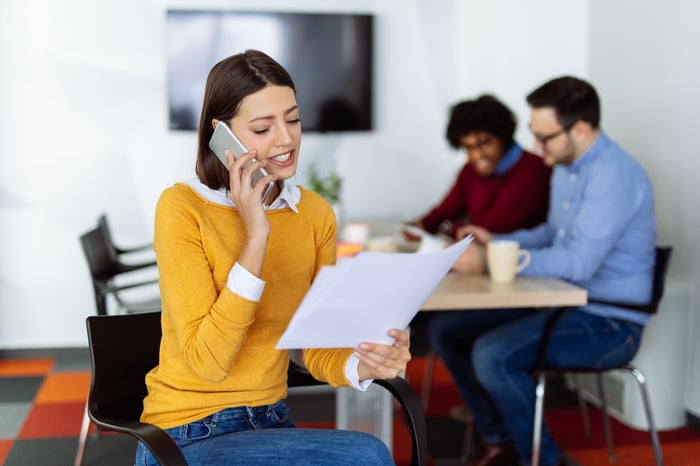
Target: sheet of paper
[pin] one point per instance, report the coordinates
(361, 298)
(428, 241)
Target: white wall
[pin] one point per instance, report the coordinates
(83, 126)
(83, 123)
(645, 61)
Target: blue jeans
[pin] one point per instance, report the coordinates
(490, 353)
(264, 435)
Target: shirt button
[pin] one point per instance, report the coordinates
(572, 177)
(566, 205)
(561, 232)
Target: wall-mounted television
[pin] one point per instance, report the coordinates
(329, 56)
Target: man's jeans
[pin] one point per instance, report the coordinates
(265, 436)
(491, 352)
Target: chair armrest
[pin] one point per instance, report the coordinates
(404, 394)
(401, 390)
(123, 267)
(142, 247)
(298, 376)
(153, 437)
(407, 397)
(114, 288)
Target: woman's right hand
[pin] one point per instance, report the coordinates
(248, 202)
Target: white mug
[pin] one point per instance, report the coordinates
(355, 232)
(505, 259)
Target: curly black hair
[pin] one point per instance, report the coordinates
(485, 113)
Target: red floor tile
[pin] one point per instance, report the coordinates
(5, 447)
(54, 420)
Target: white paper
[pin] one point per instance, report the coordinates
(428, 241)
(361, 298)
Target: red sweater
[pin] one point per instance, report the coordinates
(503, 203)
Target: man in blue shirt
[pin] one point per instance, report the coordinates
(600, 234)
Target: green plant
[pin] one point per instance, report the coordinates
(328, 186)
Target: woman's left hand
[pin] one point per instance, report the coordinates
(384, 361)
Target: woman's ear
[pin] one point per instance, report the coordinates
(214, 122)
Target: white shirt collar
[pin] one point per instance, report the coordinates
(289, 196)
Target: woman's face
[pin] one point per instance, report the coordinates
(484, 151)
(268, 122)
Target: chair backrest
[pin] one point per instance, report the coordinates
(103, 225)
(100, 257)
(123, 348)
(663, 257)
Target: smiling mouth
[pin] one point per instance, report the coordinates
(282, 157)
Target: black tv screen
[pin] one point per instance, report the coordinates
(329, 56)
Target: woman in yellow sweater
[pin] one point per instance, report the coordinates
(232, 272)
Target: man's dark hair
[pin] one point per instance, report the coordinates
(573, 99)
(485, 113)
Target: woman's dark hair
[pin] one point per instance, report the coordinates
(228, 83)
(573, 99)
(485, 113)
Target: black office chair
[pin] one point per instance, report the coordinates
(104, 224)
(115, 400)
(542, 366)
(105, 265)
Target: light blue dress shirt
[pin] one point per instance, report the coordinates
(600, 232)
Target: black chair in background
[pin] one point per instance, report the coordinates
(105, 265)
(104, 224)
(542, 367)
(115, 400)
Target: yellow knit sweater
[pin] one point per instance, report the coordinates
(218, 349)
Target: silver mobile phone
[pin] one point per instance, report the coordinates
(222, 139)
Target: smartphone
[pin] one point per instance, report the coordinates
(222, 139)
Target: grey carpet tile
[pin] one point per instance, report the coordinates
(12, 416)
(18, 389)
(113, 450)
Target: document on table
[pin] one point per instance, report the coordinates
(361, 298)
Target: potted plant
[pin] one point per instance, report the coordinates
(328, 186)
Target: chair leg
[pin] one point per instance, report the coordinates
(427, 379)
(583, 407)
(606, 418)
(642, 382)
(468, 442)
(539, 414)
(82, 440)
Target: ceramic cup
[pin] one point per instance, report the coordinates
(355, 232)
(505, 259)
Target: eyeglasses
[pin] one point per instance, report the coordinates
(545, 139)
(480, 144)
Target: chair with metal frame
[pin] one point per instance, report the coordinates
(542, 367)
(117, 389)
(105, 265)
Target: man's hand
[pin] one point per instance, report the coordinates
(472, 260)
(481, 235)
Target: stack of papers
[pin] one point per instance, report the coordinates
(361, 299)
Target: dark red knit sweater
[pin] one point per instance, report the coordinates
(516, 199)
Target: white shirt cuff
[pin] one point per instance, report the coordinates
(353, 376)
(245, 284)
